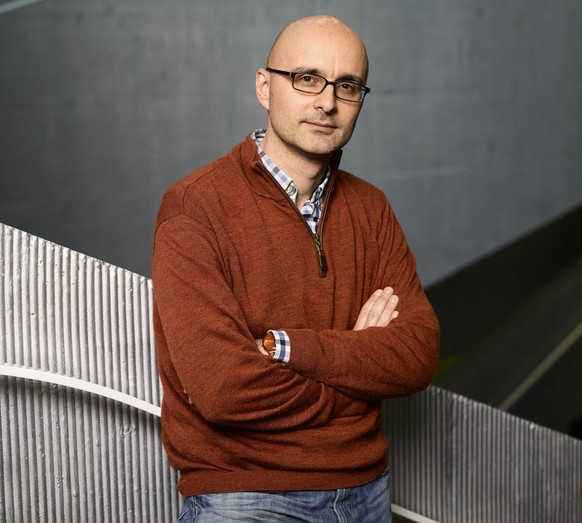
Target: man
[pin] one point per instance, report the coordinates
(277, 279)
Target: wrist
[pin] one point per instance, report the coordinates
(276, 345)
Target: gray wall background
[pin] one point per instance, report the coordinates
(473, 127)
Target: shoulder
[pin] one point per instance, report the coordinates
(200, 188)
(355, 187)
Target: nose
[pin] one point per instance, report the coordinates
(326, 100)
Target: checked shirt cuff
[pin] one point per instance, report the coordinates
(282, 346)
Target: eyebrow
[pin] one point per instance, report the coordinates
(319, 72)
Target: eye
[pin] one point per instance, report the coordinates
(306, 79)
(347, 88)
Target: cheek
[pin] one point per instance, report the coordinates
(351, 119)
(279, 119)
(284, 113)
(290, 104)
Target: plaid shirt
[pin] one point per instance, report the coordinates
(311, 211)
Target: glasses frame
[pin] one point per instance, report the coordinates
(292, 74)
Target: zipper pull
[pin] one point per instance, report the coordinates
(320, 255)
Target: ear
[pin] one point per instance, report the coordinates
(262, 87)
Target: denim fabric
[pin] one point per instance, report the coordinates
(369, 503)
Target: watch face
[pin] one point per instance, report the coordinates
(269, 341)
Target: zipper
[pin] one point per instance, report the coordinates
(321, 259)
(315, 236)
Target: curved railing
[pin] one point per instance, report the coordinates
(79, 406)
(81, 385)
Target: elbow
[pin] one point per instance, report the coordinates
(423, 352)
(422, 371)
(212, 403)
(425, 377)
(417, 379)
(216, 409)
(219, 404)
(427, 365)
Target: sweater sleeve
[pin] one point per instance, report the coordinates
(377, 362)
(207, 353)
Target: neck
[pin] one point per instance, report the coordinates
(306, 176)
(307, 172)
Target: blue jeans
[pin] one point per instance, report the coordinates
(368, 503)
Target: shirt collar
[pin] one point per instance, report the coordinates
(285, 181)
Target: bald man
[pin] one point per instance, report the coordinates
(287, 306)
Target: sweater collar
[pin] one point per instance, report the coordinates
(249, 153)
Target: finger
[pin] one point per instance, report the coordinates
(388, 313)
(259, 343)
(362, 320)
(379, 306)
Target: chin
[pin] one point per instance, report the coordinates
(324, 148)
(318, 152)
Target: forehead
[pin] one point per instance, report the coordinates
(333, 50)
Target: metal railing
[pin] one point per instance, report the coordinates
(79, 407)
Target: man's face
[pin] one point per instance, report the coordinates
(314, 124)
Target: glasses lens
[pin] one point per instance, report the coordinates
(309, 83)
(349, 91)
(315, 84)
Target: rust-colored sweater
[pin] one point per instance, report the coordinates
(233, 259)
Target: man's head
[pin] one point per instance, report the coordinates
(306, 123)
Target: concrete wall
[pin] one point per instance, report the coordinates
(473, 127)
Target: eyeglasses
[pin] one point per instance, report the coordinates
(315, 84)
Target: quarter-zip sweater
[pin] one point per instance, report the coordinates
(232, 259)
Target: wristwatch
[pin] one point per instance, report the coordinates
(269, 344)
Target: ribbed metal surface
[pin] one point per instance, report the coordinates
(69, 456)
(458, 461)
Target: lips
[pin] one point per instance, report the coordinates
(322, 125)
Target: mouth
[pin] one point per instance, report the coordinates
(321, 126)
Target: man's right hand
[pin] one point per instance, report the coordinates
(379, 310)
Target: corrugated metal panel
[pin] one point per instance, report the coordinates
(70, 456)
(458, 461)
